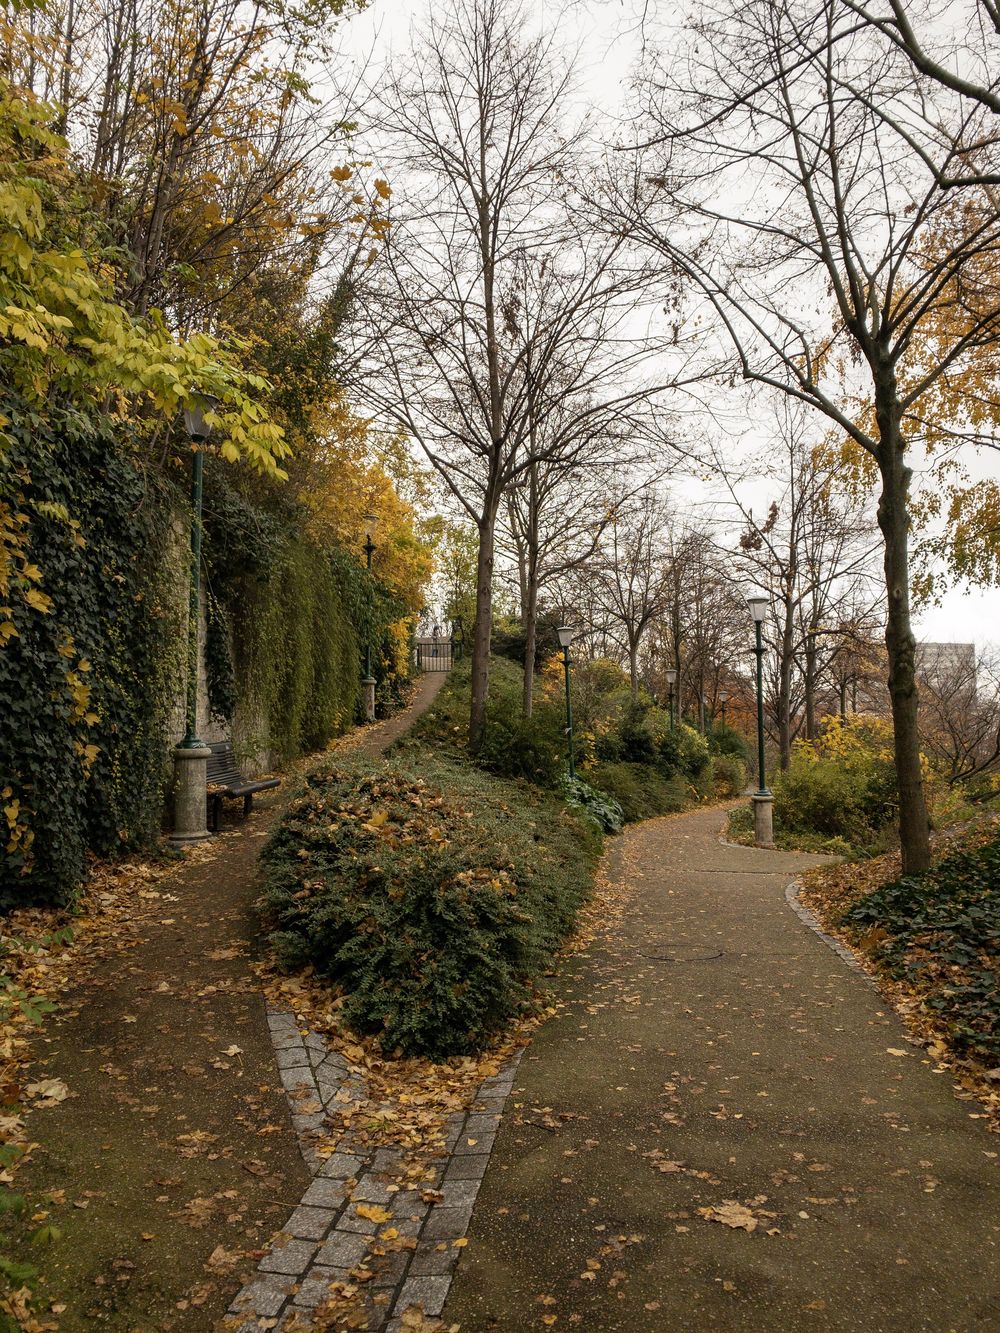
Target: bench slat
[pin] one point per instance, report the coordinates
(225, 777)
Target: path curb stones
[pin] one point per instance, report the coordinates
(812, 921)
(324, 1238)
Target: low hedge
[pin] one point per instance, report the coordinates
(435, 895)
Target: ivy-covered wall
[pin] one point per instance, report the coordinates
(87, 677)
(287, 623)
(92, 661)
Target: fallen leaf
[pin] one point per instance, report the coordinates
(47, 1091)
(731, 1214)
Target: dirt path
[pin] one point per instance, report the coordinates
(724, 1129)
(173, 1159)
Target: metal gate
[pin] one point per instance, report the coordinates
(434, 654)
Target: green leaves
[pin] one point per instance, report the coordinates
(940, 933)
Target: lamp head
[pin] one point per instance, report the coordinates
(723, 696)
(566, 634)
(671, 674)
(195, 415)
(758, 605)
(371, 524)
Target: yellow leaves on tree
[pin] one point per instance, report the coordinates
(339, 477)
(65, 330)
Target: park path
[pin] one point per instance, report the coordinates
(173, 1159)
(713, 1063)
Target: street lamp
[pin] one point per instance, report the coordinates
(191, 755)
(762, 798)
(457, 639)
(671, 674)
(723, 696)
(566, 635)
(371, 523)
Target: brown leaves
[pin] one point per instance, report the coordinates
(47, 1092)
(731, 1214)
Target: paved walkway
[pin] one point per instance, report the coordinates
(723, 1128)
(175, 1146)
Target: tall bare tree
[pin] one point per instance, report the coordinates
(776, 179)
(812, 549)
(960, 715)
(501, 337)
(627, 577)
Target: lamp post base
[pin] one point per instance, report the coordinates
(763, 826)
(369, 688)
(190, 802)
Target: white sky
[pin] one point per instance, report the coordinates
(607, 38)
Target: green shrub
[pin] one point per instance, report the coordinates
(680, 750)
(729, 775)
(433, 894)
(640, 790)
(722, 739)
(940, 931)
(822, 797)
(517, 747)
(597, 805)
(842, 785)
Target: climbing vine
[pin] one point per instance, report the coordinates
(86, 675)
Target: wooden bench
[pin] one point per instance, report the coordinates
(225, 779)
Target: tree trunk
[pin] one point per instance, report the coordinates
(633, 671)
(482, 632)
(810, 688)
(530, 635)
(893, 520)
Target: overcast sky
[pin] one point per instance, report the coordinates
(607, 36)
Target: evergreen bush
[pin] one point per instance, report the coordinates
(434, 895)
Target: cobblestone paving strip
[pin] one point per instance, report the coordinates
(812, 921)
(326, 1238)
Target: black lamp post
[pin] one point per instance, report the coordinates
(191, 755)
(566, 636)
(762, 798)
(457, 639)
(723, 696)
(371, 523)
(671, 674)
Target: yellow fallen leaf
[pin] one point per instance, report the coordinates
(373, 1212)
(894, 1050)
